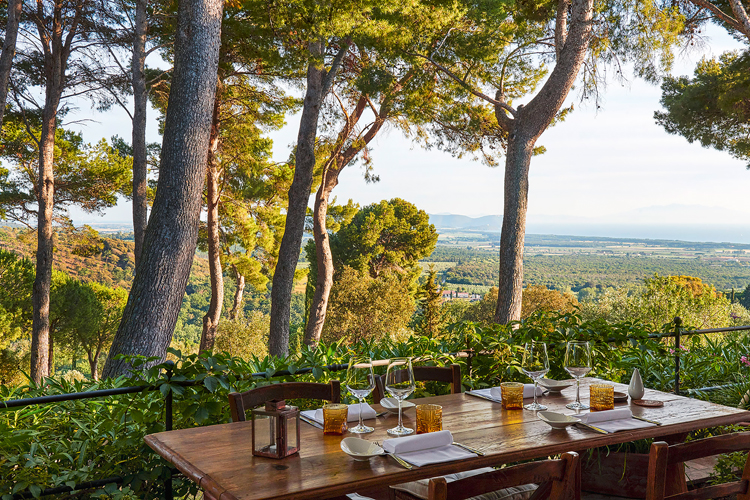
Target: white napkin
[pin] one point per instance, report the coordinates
(620, 419)
(528, 392)
(425, 449)
(352, 416)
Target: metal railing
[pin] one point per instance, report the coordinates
(677, 333)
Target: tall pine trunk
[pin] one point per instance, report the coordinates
(572, 38)
(169, 244)
(140, 153)
(324, 279)
(239, 278)
(40, 298)
(9, 50)
(212, 316)
(299, 194)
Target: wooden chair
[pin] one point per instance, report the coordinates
(239, 403)
(664, 457)
(449, 374)
(557, 480)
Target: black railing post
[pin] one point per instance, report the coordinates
(168, 494)
(677, 331)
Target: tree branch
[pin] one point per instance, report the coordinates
(720, 14)
(741, 14)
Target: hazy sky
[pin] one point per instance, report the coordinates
(598, 162)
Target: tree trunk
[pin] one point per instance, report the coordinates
(9, 50)
(40, 327)
(299, 194)
(524, 129)
(236, 311)
(140, 153)
(517, 162)
(324, 280)
(169, 244)
(51, 357)
(94, 363)
(212, 316)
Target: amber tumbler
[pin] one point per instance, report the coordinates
(334, 418)
(429, 418)
(512, 395)
(602, 397)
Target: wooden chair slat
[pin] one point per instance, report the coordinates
(558, 477)
(716, 491)
(239, 403)
(448, 374)
(719, 445)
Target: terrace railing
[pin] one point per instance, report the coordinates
(677, 333)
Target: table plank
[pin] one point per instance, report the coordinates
(219, 457)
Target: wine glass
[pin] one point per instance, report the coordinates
(399, 382)
(360, 380)
(578, 364)
(535, 365)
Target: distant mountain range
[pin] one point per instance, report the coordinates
(678, 222)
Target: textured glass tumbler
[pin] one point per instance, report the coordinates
(602, 397)
(334, 418)
(512, 395)
(429, 418)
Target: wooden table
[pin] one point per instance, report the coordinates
(219, 457)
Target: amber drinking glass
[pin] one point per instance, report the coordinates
(334, 418)
(602, 397)
(429, 418)
(512, 395)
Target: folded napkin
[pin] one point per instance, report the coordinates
(352, 416)
(620, 419)
(425, 449)
(528, 391)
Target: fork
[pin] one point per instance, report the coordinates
(398, 459)
(469, 449)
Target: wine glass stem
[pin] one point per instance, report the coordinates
(578, 390)
(399, 414)
(536, 382)
(360, 413)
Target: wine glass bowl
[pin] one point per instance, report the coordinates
(399, 382)
(578, 364)
(360, 381)
(535, 365)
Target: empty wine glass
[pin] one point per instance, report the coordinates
(360, 380)
(399, 382)
(578, 364)
(535, 364)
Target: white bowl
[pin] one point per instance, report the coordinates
(360, 449)
(391, 404)
(556, 420)
(555, 385)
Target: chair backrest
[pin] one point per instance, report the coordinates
(662, 457)
(450, 374)
(557, 479)
(239, 403)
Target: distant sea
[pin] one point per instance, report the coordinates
(719, 233)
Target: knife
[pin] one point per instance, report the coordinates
(597, 429)
(311, 422)
(647, 420)
(469, 449)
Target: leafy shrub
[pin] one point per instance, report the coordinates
(244, 337)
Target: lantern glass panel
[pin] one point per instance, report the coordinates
(292, 421)
(265, 433)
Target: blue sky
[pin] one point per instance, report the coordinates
(599, 163)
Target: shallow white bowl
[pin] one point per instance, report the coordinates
(556, 420)
(555, 385)
(391, 404)
(360, 449)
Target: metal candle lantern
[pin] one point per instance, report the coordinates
(276, 430)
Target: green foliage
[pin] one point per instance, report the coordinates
(387, 235)
(365, 308)
(87, 175)
(711, 108)
(245, 337)
(429, 318)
